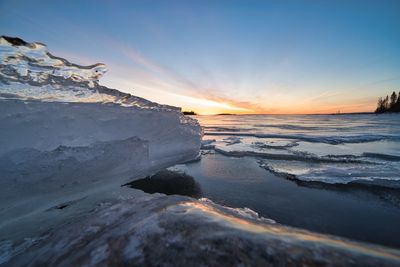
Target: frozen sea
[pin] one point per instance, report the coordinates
(336, 174)
(332, 149)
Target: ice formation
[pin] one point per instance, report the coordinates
(63, 105)
(30, 71)
(66, 139)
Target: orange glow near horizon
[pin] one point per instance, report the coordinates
(210, 107)
(155, 83)
(203, 106)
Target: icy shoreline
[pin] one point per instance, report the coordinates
(178, 231)
(67, 144)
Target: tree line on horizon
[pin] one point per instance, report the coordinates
(389, 104)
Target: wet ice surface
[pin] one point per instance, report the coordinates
(332, 149)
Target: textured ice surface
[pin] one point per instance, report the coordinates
(46, 126)
(179, 231)
(30, 71)
(33, 64)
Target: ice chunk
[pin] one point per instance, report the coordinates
(65, 139)
(45, 126)
(337, 171)
(29, 72)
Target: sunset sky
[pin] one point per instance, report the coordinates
(226, 56)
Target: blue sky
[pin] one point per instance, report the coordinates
(226, 56)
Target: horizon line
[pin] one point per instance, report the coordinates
(280, 114)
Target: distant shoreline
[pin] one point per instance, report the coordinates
(347, 113)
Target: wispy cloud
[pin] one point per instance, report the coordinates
(393, 78)
(322, 96)
(151, 66)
